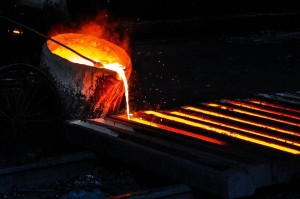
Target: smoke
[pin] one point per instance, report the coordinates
(101, 26)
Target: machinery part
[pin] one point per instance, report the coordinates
(30, 108)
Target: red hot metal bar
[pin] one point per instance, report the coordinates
(174, 130)
(262, 109)
(220, 131)
(279, 107)
(232, 152)
(224, 107)
(241, 120)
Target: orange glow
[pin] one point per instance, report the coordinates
(111, 56)
(17, 32)
(120, 70)
(224, 132)
(242, 104)
(199, 110)
(252, 114)
(207, 120)
(101, 26)
(175, 130)
(274, 106)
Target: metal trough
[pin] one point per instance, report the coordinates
(229, 148)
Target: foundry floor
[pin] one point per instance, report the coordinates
(179, 70)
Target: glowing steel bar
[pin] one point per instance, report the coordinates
(222, 131)
(241, 120)
(245, 105)
(252, 114)
(274, 106)
(175, 130)
(207, 120)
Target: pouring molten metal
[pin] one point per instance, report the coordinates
(110, 59)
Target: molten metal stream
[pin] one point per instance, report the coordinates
(224, 132)
(121, 72)
(95, 61)
(116, 67)
(119, 69)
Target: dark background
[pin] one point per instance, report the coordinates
(183, 52)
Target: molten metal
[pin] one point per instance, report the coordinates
(199, 110)
(223, 131)
(254, 107)
(211, 121)
(274, 106)
(252, 114)
(111, 56)
(176, 130)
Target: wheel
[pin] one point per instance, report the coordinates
(30, 107)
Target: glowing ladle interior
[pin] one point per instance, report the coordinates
(99, 50)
